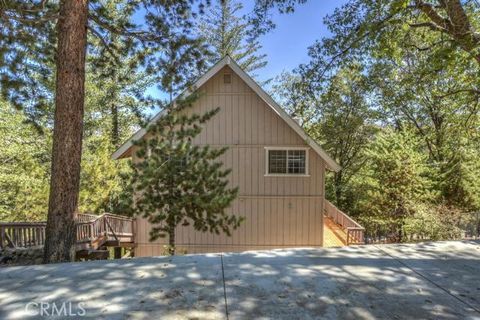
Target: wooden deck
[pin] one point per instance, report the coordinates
(333, 234)
(94, 234)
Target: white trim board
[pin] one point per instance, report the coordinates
(228, 61)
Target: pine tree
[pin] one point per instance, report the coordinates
(68, 131)
(226, 31)
(395, 182)
(28, 31)
(179, 183)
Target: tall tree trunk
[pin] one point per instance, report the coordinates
(171, 241)
(68, 131)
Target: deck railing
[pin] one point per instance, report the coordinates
(22, 234)
(355, 232)
(89, 228)
(86, 217)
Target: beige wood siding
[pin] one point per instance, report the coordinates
(279, 211)
(244, 118)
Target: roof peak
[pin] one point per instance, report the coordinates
(227, 60)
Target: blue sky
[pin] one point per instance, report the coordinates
(286, 45)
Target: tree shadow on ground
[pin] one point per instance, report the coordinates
(142, 288)
(364, 282)
(425, 281)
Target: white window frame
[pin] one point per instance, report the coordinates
(306, 174)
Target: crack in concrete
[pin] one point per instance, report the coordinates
(224, 287)
(429, 280)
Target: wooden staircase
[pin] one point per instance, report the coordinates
(347, 230)
(95, 234)
(333, 234)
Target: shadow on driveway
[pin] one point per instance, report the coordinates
(415, 281)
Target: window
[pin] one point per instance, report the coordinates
(287, 161)
(296, 161)
(277, 161)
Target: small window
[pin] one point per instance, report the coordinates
(287, 161)
(296, 161)
(227, 78)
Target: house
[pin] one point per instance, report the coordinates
(279, 169)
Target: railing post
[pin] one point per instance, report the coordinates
(105, 230)
(134, 223)
(21, 238)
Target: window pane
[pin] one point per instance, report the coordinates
(296, 161)
(277, 161)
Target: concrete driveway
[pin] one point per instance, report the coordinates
(415, 281)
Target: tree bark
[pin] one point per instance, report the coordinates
(456, 24)
(68, 131)
(171, 241)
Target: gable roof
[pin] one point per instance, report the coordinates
(123, 150)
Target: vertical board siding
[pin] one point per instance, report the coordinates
(252, 121)
(279, 212)
(289, 225)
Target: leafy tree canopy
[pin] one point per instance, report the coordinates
(418, 72)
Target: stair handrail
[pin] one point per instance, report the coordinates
(355, 232)
(108, 224)
(86, 217)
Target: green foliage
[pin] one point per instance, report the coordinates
(28, 38)
(392, 95)
(27, 47)
(434, 223)
(26, 161)
(460, 181)
(113, 111)
(178, 182)
(101, 180)
(123, 60)
(395, 181)
(345, 126)
(24, 167)
(337, 115)
(292, 91)
(418, 68)
(225, 30)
